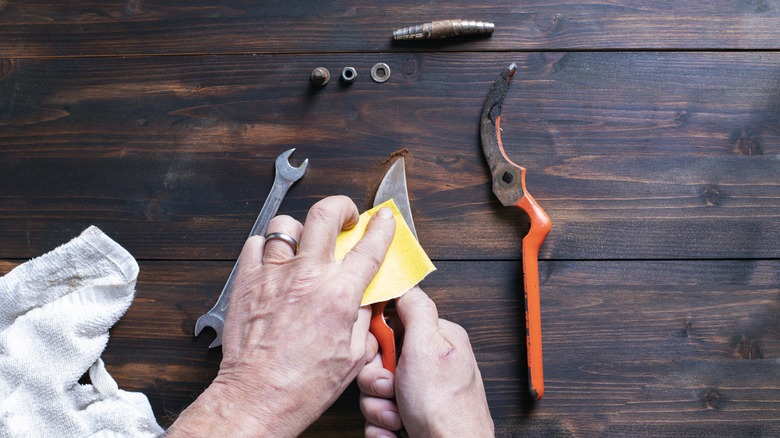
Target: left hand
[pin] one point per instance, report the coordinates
(437, 385)
(295, 334)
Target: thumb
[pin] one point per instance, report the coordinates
(417, 312)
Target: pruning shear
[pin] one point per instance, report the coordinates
(509, 187)
(393, 186)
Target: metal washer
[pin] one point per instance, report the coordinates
(375, 72)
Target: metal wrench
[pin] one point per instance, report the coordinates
(286, 176)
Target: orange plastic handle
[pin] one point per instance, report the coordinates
(383, 334)
(532, 242)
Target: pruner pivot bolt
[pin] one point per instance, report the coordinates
(320, 76)
(444, 29)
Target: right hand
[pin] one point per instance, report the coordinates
(438, 386)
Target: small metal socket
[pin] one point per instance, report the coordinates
(320, 76)
(348, 75)
(380, 72)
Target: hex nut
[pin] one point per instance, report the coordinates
(320, 76)
(348, 75)
(380, 72)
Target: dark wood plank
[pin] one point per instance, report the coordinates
(630, 347)
(152, 121)
(49, 28)
(634, 155)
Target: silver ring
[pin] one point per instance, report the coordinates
(285, 238)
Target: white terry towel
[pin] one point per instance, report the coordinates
(55, 312)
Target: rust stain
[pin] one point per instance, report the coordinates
(403, 152)
(380, 168)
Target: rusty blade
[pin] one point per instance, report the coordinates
(393, 186)
(507, 176)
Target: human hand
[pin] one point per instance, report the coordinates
(295, 334)
(438, 386)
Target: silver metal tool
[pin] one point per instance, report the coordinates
(286, 176)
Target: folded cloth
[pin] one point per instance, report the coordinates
(55, 312)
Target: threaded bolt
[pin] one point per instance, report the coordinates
(444, 29)
(320, 76)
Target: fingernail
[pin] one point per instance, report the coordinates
(385, 213)
(391, 419)
(383, 387)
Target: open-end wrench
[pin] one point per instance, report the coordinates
(286, 176)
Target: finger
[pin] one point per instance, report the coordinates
(391, 316)
(372, 346)
(360, 335)
(324, 221)
(252, 252)
(277, 250)
(417, 312)
(372, 431)
(380, 412)
(374, 380)
(362, 262)
(251, 257)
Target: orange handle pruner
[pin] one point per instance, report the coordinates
(383, 334)
(509, 187)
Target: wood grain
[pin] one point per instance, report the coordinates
(649, 129)
(648, 155)
(648, 347)
(133, 27)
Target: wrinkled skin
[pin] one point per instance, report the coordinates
(295, 334)
(438, 388)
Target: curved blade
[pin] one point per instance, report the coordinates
(393, 186)
(507, 176)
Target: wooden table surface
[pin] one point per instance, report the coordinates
(650, 130)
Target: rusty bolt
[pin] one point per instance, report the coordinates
(444, 29)
(320, 76)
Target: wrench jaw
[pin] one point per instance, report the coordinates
(286, 170)
(213, 321)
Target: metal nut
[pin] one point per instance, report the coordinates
(349, 74)
(380, 72)
(320, 76)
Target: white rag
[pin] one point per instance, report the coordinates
(55, 312)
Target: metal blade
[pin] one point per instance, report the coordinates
(508, 177)
(393, 186)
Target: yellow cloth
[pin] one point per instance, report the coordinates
(405, 265)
